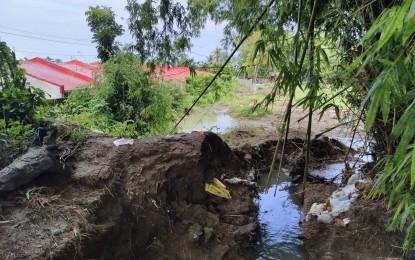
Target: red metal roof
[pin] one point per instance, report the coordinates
(176, 73)
(82, 68)
(72, 74)
(55, 74)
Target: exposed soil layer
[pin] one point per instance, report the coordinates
(365, 237)
(144, 201)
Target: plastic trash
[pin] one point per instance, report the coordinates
(218, 188)
(123, 142)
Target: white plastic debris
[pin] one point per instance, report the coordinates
(354, 178)
(340, 201)
(236, 180)
(346, 221)
(123, 142)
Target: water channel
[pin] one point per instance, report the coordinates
(217, 121)
(279, 216)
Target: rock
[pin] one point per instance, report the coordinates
(195, 233)
(27, 168)
(208, 234)
(241, 233)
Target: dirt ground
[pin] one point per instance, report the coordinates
(144, 201)
(147, 200)
(364, 238)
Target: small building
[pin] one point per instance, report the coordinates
(177, 74)
(57, 79)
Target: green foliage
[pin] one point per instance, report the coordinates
(127, 103)
(217, 57)
(217, 90)
(254, 63)
(254, 113)
(11, 76)
(77, 135)
(102, 22)
(391, 98)
(17, 103)
(162, 30)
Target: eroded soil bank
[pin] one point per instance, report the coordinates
(144, 201)
(148, 201)
(365, 237)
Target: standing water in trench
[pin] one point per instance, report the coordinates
(212, 120)
(279, 218)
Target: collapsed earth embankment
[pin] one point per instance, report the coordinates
(142, 201)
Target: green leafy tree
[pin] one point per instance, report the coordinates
(163, 29)
(18, 103)
(101, 20)
(11, 76)
(217, 56)
(253, 65)
(128, 102)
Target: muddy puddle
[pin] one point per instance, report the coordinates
(333, 171)
(279, 219)
(217, 121)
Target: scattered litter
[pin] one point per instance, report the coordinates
(123, 142)
(342, 222)
(339, 202)
(97, 131)
(6, 222)
(218, 188)
(236, 180)
(354, 178)
(346, 221)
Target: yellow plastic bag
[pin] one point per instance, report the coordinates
(218, 188)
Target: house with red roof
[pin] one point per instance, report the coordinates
(57, 79)
(177, 74)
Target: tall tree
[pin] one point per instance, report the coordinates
(17, 103)
(11, 76)
(163, 29)
(101, 20)
(375, 48)
(217, 56)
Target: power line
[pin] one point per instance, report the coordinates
(60, 54)
(226, 62)
(44, 34)
(197, 54)
(49, 40)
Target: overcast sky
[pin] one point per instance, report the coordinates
(59, 21)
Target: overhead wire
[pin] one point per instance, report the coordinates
(225, 63)
(43, 39)
(42, 34)
(60, 54)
